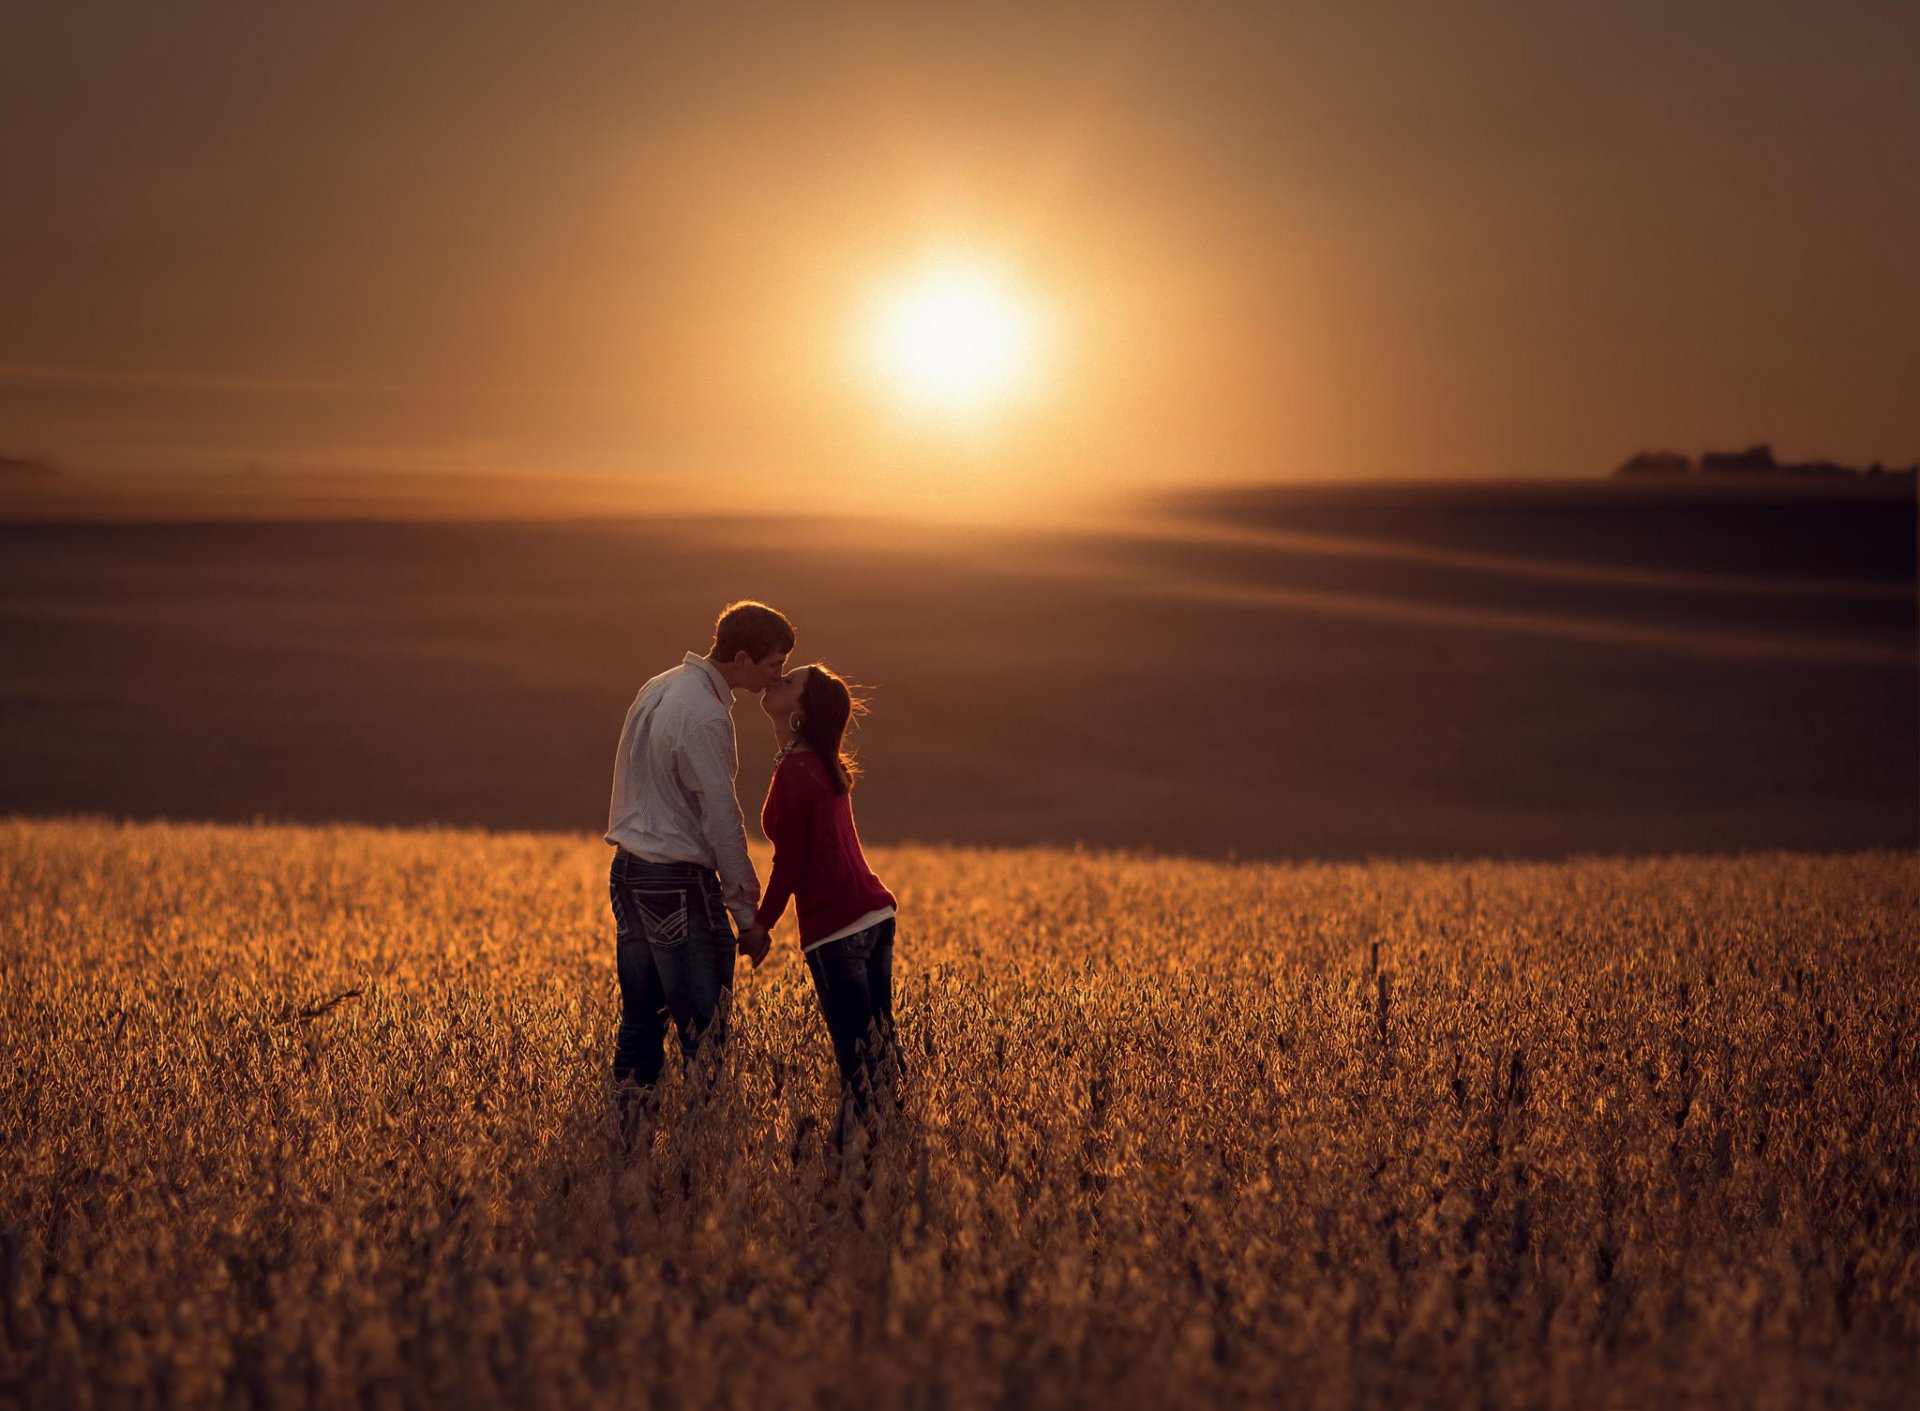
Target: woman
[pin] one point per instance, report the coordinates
(846, 916)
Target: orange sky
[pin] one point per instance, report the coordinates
(1275, 241)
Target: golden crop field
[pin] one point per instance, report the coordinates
(319, 1117)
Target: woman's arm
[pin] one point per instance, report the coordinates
(789, 823)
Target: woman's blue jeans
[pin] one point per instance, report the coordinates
(853, 977)
(675, 952)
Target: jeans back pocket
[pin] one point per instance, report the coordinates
(662, 912)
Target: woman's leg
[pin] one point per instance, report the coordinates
(840, 980)
(887, 1062)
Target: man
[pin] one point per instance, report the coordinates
(681, 865)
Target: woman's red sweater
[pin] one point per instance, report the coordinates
(816, 852)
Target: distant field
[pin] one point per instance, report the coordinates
(1437, 671)
(317, 1117)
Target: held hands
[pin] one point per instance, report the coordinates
(755, 942)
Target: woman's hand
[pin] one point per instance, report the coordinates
(755, 942)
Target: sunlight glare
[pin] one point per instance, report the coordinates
(955, 339)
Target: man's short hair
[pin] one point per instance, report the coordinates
(753, 628)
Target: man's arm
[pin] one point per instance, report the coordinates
(708, 761)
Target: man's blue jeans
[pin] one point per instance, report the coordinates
(676, 951)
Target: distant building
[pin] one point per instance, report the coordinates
(1754, 460)
(1654, 464)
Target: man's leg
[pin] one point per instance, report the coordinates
(639, 1046)
(693, 951)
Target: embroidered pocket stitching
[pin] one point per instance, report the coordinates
(664, 925)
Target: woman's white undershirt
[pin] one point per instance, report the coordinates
(853, 928)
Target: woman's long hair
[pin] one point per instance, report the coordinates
(826, 708)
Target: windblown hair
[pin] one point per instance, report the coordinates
(827, 706)
(753, 628)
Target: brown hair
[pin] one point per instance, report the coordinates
(753, 628)
(826, 708)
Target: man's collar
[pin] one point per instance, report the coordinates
(714, 679)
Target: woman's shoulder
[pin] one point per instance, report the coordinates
(799, 768)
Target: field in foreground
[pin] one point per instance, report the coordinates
(1601, 1133)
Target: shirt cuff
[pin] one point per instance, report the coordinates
(743, 920)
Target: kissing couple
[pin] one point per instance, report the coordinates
(681, 870)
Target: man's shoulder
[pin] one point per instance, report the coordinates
(683, 678)
(654, 685)
(684, 691)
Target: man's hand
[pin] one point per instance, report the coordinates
(755, 942)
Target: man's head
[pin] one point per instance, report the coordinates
(750, 646)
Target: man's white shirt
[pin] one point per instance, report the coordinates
(673, 794)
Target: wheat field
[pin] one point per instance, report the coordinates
(319, 1117)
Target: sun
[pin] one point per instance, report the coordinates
(954, 339)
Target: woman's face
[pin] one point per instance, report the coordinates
(782, 698)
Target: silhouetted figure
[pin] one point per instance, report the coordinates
(681, 865)
(846, 915)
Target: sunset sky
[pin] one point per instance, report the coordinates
(1257, 241)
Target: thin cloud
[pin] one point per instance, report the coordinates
(133, 379)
